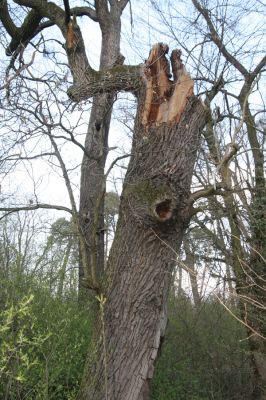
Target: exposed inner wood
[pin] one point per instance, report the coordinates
(72, 35)
(165, 99)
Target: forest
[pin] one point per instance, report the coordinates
(132, 200)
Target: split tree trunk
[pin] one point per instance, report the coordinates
(154, 213)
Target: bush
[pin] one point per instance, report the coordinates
(203, 356)
(43, 346)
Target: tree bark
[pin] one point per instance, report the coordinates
(154, 213)
(92, 186)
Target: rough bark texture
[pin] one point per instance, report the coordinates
(154, 213)
(92, 187)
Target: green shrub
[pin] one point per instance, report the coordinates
(203, 357)
(43, 346)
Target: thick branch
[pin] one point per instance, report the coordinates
(102, 12)
(206, 192)
(119, 78)
(259, 67)
(9, 25)
(165, 99)
(75, 48)
(45, 9)
(230, 152)
(22, 35)
(122, 4)
(44, 25)
(87, 82)
(31, 25)
(84, 11)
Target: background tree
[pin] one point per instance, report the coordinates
(232, 156)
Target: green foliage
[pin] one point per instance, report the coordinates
(19, 340)
(43, 346)
(62, 230)
(111, 205)
(204, 356)
(111, 208)
(45, 334)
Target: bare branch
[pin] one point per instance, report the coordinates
(114, 162)
(84, 11)
(118, 78)
(217, 40)
(255, 332)
(16, 157)
(23, 34)
(11, 210)
(206, 192)
(231, 150)
(65, 174)
(17, 73)
(9, 25)
(259, 67)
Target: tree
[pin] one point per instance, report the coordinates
(63, 246)
(156, 204)
(249, 271)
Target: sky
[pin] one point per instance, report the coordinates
(140, 30)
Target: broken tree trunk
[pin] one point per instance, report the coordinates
(154, 213)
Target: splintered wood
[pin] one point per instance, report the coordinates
(165, 99)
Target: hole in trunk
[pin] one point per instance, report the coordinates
(164, 210)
